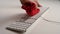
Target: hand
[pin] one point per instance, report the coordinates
(34, 1)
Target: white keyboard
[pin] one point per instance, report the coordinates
(25, 22)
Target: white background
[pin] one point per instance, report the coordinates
(11, 7)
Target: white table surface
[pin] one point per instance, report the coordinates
(11, 7)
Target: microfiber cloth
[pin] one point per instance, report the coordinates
(30, 8)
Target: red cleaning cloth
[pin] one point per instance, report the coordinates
(30, 8)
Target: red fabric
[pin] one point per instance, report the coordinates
(30, 8)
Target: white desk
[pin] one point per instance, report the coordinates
(12, 7)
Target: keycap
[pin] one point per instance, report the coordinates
(19, 27)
